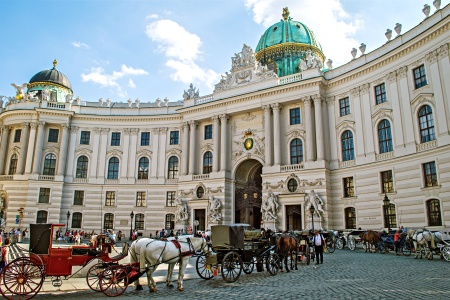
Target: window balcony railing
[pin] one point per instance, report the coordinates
(347, 164)
(112, 181)
(81, 180)
(6, 177)
(384, 156)
(200, 177)
(46, 177)
(426, 146)
(291, 168)
(172, 180)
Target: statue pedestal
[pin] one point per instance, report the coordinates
(317, 223)
(270, 225)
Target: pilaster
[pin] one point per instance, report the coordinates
(38, 148)
(268, 135)
(192, 143)
(185, 149)
(24, 148)
(216, 143)
(276, 107)
(223, 142)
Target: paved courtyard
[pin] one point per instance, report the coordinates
(344, 275)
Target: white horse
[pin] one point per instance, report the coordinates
(425, 240)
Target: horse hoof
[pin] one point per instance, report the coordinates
(170, 285)
(181, 289)
(139, 288)
(153, 290)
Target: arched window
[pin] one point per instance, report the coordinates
(12, 164)
(207, 162)
(49, 164)
(143, 168)
(173, 168)
(296, 151)
(350, 218)
(139, 222)
(76, 220)
(426, 124)
(434, 213)
(113, 168)
(385, 136)
(108, 223)
(348, 150)
(170, 221)
(41, 217)
(82, 167)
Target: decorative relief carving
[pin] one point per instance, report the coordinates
(144, 152)
(296, 134)
(83, 151)
(248, 117)
(32, 125)
(377, 82)
(155, 131)
(443, 51)
(431, 57)
(330, 100)
(417, 63)
(268, 185)
(391, 77)
(207, 147)
(317, 98)
(186, 193)
(74, 129)
(173, 151)
(382, 114)
(134, 131)
(114, 152)
(105, 130)
(355, 92)
(163, 130)
(126, 131)
(344, 125)
(401, 72)
(364, 89)
(97, 130)
(215, 118)
(276, 106)
(266, 107)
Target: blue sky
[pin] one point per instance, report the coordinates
(151, 49)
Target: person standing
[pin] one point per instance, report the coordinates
(397, 241)
(318, 242)
(5, 254)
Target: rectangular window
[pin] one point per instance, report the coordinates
(174, 138)
(85, 138)
(387, 182)
(78, 198)
(429, 174)
(380, 93)
(170, 200)
(140, 198)
(44, 195)
(349, 188)
(145, 138)
(294, 116)
(53, 135)
(139, 222)
(420, 78)
(208, 132)
(115, 139)
(110, 198)
(344, 106)
(17, 135)
(76, 220)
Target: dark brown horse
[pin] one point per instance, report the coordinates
(370, 238)
(287, 246)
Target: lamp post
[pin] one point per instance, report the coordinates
(196, 223)
(386, 204)
(311, 210)
(131, 224)
(68, 216)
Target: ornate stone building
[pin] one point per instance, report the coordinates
(280, 134)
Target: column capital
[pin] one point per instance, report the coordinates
(193, 123)
(2, 127)
(401, 72)
(25, 124)
(443, 51)
(266, 107)
(127, 131)
(97, 130)
(276, 106)
(306, 100)
(355, 92)
(431, 57)
(65, 126)
(41, 123)
(105, 130)
(215, 118)
(185, 125)
(317, 98)
(391, 77)
(364, 89)
(74, 129)
(163, 130)
(330, 100)
(155, 130)
(134, 131)
(33, 125)
(224, 118)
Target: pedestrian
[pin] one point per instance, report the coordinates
(77, 239)
(157, 235)
(402, 230)
(119, 235)
(397, 241)
(318, 242)
(5, 254)
(1, 237)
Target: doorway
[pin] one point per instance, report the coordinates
(293, 217)
(200, 216)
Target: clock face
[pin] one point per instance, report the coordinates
(248, 143)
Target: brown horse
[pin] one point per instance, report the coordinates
(287, 245)
(370, 238)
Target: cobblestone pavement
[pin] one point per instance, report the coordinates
(344, 275)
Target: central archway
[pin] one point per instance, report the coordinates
(248, 193)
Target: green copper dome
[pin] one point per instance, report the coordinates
(52, 76)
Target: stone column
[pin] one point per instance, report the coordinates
(319, 126)
(102, 159)
(24, 148)
(444, 68)
(71, 155)
(155, 145)
(276, 107)
(132, 154)
(93, 168)
(268, 135)
(38, 148)
(223, 142)
(162, 152)
(407, 117)
(309, 129)
(192, 142)
(3, 148)
(359, 136)
(63, 150)
(30, 150)
(185, 149)
(365, 97)
(126, 146)
(332, 129)
(216, 143)
(396, 110)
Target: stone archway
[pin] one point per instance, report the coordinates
(248, 193)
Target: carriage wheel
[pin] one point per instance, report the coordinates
(293, 258)
(21, 279)
(93, 276)
(231, 266)
(446, 253)
(351, 243)
(406, 248)
(272, 263)
(381, 248)
(308, 255)
(330, 247)
(202, 271)
(114, 281)
(249, 266)
(339, 244)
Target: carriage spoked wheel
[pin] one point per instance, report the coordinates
(93, 276)
(114, 281)
(231, 266)
(293, 259)
(330, 247)
(202, 270)
(308, 255)
(273, 263)
(446, 253)
(351, 243)
(406, 248)
(21, 279)
(339, 244)
(248, 267)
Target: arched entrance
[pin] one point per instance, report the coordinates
(248, 193)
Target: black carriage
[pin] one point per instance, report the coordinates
(305, 252)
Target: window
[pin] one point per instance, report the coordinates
(53, 135)
(12, 164)
(145, 138)
(44, 195)
(387, 182)
(143, 168)
(41, 217)
(385, 136)
(429, 174)
(140, 198)
(139, 222)
(380, 94)
(78, 198)
(113, 168)
(390, 216)
(82, 167)
(49, 164)
(110, 198)
(294, 116)
(420, 79)
(434, 213)
(296, 151)
(108, 223)
(85, 138)
(17, 135)
(350, 218)
(170, 199)
(208, 132)
(115, 139)
(207, 162)
(348, 151)
(76, 220)
(292, 185)
(170, 221)
(344, 106)
(349, 188)
(173, 168)
(426, 124)
(174, 137)
(200, 192)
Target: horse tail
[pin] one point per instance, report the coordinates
(433, 244)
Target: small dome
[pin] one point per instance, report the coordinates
(52, 76)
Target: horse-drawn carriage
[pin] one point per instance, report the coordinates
(23, 277)
(234, 251)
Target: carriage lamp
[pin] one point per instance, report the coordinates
(311, 210)
(68, 216)
(131, 224)
(386, 204)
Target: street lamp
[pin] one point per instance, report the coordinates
(68, 216)
(196, 223)
(311, 210)
(386, 204)
(131, 224)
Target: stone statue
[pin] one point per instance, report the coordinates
(20, 90)
(181, 213)
(69, 98)
(31, 96)
(311, 61)
(45, 94)
(317, 202)
(269, 207)
(214, 209)
(191, 93)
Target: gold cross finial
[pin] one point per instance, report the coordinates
(285, 13)
(55, 62)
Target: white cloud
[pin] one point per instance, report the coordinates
(81, 45)
(131, 83)
(152, 16)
